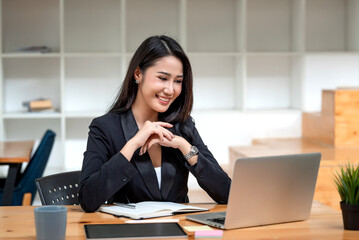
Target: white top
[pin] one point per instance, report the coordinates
(158, 173)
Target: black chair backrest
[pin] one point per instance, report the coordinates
(59, 189)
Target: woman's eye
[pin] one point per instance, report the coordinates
(162, 78)
(179, 81)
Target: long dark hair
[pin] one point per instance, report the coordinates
(146, 55)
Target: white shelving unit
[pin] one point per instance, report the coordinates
(251, 59)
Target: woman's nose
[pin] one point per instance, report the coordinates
(169, 88)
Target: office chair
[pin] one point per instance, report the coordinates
(59, 189)
(34, 169)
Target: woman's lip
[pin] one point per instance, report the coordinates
(163, 100)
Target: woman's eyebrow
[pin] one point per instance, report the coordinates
(165, 73)
(168, 74)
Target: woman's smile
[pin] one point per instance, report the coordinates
(163, 100)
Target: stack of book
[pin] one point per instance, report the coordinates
(35, 49)
(39, 105)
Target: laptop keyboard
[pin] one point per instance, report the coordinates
(217, 220)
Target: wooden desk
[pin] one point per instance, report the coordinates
(13, 154)
(324, 223)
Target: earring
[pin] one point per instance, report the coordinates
(137, 81)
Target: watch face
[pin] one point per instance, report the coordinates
(192, 152)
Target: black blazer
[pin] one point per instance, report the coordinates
(107, 176)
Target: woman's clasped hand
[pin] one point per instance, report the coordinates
(154, 132)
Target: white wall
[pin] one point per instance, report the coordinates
(327, 72)
(221, 129)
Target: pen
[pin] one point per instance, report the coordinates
(125, 205)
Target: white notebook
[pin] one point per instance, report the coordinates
(149, 209)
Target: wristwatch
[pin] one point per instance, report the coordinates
(192, 152)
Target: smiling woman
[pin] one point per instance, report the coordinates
(145, 146)
(159, 86)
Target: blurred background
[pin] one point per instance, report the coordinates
(258, 64)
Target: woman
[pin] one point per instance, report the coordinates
(145, 146)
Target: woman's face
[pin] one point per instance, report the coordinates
(160, 84)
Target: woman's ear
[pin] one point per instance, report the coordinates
(138, 74)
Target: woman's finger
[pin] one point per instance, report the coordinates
(142, 150)
(163, 124)
(150, 142)
(169, 134)
(153, 128)
(164, 132)
(159, 132)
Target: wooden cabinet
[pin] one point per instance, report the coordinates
(338, 123)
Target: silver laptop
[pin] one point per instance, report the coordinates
(267, 190)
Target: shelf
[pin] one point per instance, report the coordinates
(333, 53)
(202, 22)
(269, 54)
(91, 83)
(30, 129)
(21, 29)
(269, 25)
(77, 128)
(76, 141)
(55, 115)
(31, 55)
(92, 26)
(251, 59)
(214, 54)
(31, 115)
(332, 25)
(30, 78)
(213, 82)
(268, 82)
(144, 20)
(93, 55)
(85, 115)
